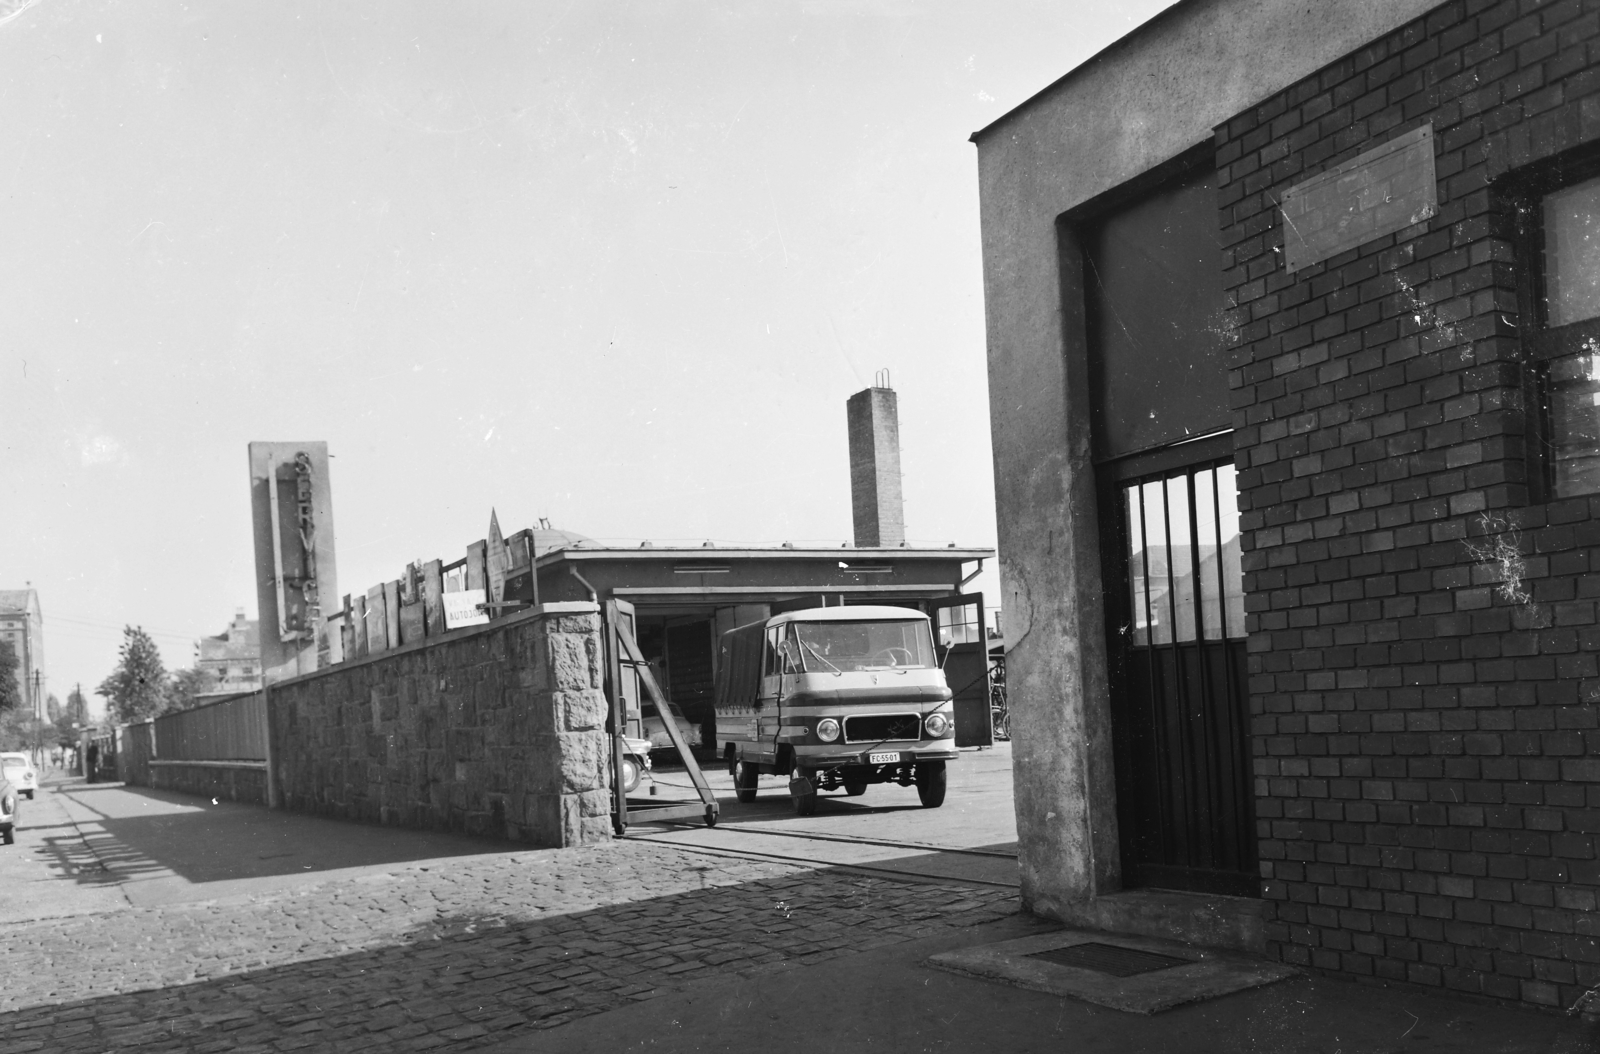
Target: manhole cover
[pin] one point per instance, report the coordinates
(1108, 959)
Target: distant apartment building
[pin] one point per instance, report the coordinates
(22, 625)
(233, 658)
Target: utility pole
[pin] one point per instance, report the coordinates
(77, 727)
(38, 721)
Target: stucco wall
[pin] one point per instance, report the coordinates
(1144, 100)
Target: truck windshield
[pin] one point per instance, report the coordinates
(844, 647)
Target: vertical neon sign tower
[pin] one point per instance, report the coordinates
(291, 507)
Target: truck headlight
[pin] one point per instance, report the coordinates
(937, 725)
(8, 805)
(827, 730)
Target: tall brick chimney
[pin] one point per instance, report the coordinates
(876, 504)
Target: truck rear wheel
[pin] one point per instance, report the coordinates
(744, 780)
(931, 780)
(855, 788)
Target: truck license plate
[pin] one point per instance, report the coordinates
(883, 759)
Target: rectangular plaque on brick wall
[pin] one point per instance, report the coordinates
(1384, 190)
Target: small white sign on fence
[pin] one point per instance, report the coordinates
(465, 609)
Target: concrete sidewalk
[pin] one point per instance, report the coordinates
(888, 999)
(155, 847)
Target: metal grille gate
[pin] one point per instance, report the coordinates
(1180, 704)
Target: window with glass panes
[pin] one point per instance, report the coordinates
(958, 625)
(1561, 217)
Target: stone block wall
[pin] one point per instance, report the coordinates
(1427, 741)
(496, 730)
(240, 781)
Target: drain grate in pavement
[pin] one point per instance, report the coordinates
(1108, 958)
(1140, 975)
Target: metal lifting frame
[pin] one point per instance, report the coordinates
(629, 656)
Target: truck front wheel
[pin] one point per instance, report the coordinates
(805, 804)
(744, 780)
(931, 784)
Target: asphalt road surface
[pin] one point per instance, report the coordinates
(972, 837)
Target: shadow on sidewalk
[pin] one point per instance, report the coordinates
(129, 833)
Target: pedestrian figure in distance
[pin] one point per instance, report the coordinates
(93, 757)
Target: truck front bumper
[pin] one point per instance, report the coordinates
(834, 759)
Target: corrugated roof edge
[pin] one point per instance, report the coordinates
(589, 552)
(1121, 42)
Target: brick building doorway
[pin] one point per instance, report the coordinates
(1179, 698)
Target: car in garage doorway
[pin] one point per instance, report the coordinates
(18, 769)
(655, 729)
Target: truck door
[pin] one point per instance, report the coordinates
(768, 720)
(963, 640)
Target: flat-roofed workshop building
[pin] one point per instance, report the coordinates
(683, 599)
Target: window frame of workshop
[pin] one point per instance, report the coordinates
(1557, 210)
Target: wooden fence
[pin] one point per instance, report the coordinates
(227, 730)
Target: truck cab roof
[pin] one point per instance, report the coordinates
(861, 613)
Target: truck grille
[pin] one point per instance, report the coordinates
(876, 728)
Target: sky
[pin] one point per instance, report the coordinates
(618, 265)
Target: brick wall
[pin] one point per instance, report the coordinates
(497, 730)
(1425, 738)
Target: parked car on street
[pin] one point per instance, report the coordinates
(19, 770)
(8, 811)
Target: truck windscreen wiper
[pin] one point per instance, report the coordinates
(808, 647)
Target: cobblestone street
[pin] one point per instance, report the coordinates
(463, 954)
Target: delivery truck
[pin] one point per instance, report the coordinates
(835, 698)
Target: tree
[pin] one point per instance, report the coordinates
(10, 691)
(188, 685)
(19, 729)
(137, 688)
(52, 708)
